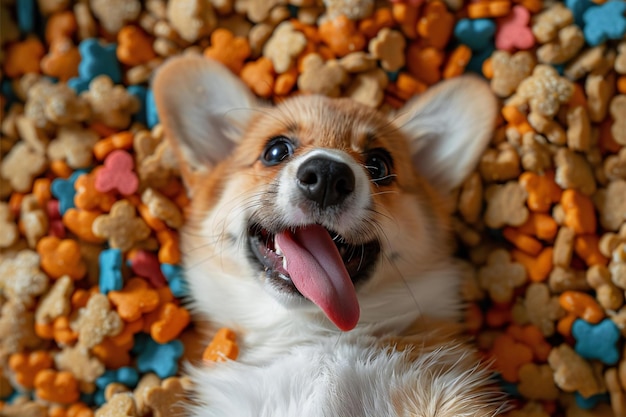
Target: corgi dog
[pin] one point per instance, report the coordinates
(318, 232)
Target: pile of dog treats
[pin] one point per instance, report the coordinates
(91, 319)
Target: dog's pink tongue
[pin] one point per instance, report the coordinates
(317, 270)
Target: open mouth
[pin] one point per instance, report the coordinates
(318, 264)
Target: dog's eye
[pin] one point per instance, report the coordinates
(379, 165)
(277, 150)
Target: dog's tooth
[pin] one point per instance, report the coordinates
(277, 249)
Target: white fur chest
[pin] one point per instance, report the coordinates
(347, 377)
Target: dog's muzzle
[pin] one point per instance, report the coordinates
(325, 181)
(306, 257)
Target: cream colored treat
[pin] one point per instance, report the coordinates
(56, 302)
(506, 205)
(499, 266)
(284, 46)
(96, 321)
(32, 283)
(510, 70)
(321, 77)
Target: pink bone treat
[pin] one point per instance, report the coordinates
(52, 209)
(146, 265)
(513, 31)
(117, 174)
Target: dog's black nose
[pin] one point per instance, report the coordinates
(325, 181)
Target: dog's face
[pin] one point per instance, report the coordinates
(318, 210)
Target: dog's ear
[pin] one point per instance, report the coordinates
(203, 107)
(449, 126)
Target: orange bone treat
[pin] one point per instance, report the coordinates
(539, 267)
(59, 387)
(81, 297)
(23, 57)
(27, 365)
(580, 214)
(171, 322)
(112, 355)
(285, 82)
(458, 60)
(135, 299)
(532, 337)
(60, 168)
(484, 9)
(165, 297)
(564, 325)
(325, 52)
(169, 253)
(44, 331)
(523, 242)
(62, 59)
(229, 49)
(382, 18)
(259, 76)
(342, 36)
(134, 46)
(587, 248)
(534, 6)
(516, 118)
(509, 356)
(542, 190)
(62, 332)
(487, 70)
(436, 24)
(60, 25)
(121, 140)
(41, 189)
(74, 410)
(80, 223)
(540, 225)
(424, 63)
(582, 305)
(61, 257)
(407, 86)
(222, 347)
(406, 15)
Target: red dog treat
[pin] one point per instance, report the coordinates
(117, 174)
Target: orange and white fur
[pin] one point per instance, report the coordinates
(318, 231)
